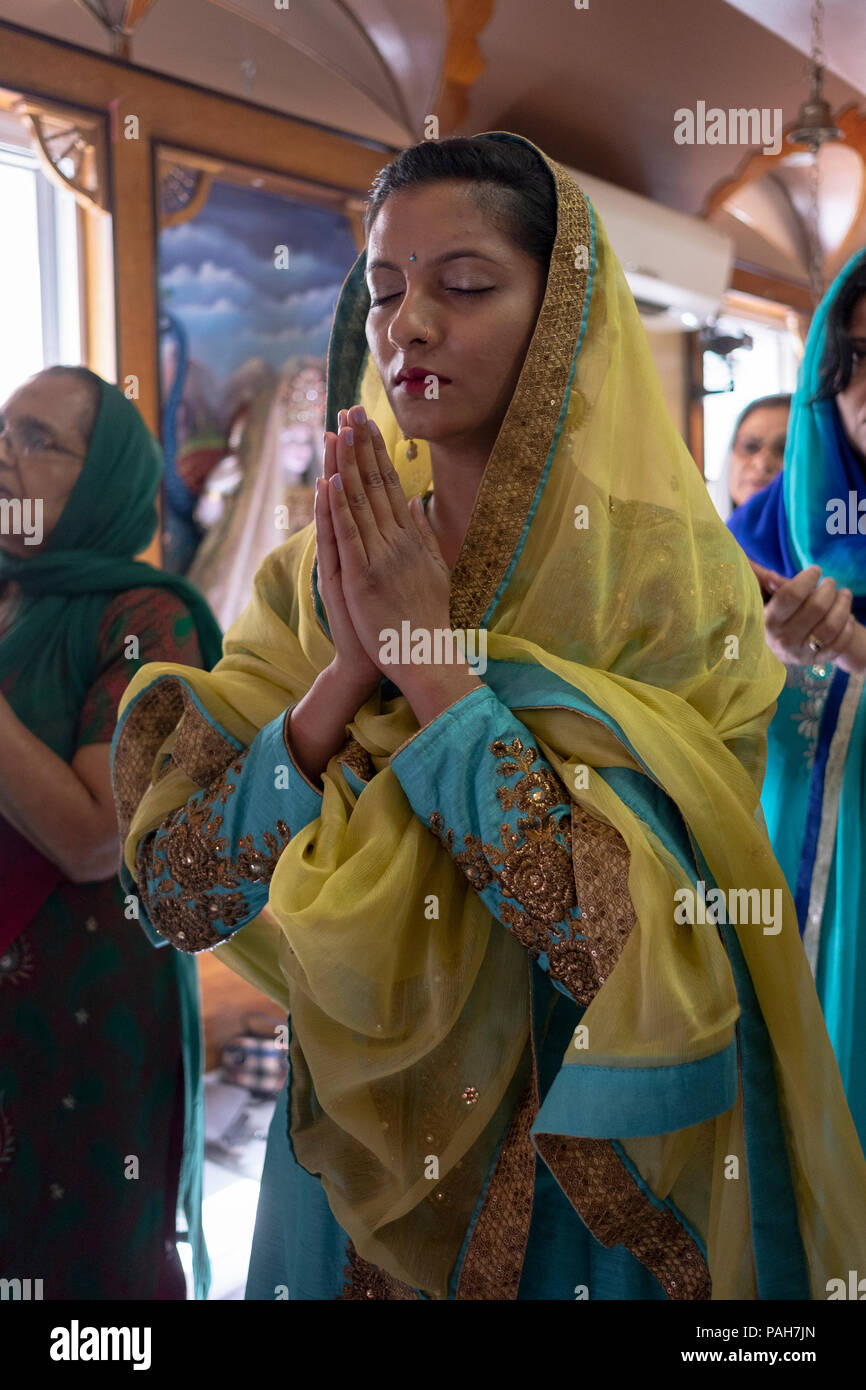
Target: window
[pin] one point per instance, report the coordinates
(768, 368)
(39, 270)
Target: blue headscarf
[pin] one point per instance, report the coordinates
(784, 527)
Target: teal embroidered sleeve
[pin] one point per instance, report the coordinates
(475, 778)
(206, 871)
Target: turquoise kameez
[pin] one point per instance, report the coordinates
(813, 801)
(299, 1249)
(814, 792)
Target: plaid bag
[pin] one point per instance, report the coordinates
(258, 1059)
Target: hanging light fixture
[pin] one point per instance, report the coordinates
(815, 124)
(121, 18)
(815, 127)
(806, 205)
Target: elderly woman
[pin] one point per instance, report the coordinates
(531, 1047)
(100, 1125)
(807, 535)
(757, 449)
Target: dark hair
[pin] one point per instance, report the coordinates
(519, 196)
(762, 403)
(837, 363)
(93, 383)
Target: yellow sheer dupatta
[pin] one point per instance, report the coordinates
(593, 554)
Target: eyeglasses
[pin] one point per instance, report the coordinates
(754, 446)
(29, 438)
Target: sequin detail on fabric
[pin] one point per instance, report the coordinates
(600, 857)
(618, 1212)
(191, 867)
(199, 749)
(493, 1263)
(355, 757)
(532, 866)
(550, 863)
(814, 684)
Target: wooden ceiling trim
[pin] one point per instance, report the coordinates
(464, 61)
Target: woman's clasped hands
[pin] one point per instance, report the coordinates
(379, 563)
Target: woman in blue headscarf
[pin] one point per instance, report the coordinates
(100, 1078)
(806, 537)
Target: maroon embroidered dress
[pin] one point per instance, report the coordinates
(91, 1064)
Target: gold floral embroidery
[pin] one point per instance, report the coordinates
(591, 1173)
(537, 873)
(536, 791)
(196, 857)
(548, 865)
(366, 1281)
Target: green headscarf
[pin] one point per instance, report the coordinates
(110, 516)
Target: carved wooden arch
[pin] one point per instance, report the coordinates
(63, 136)
(183, 192)
(755, 164)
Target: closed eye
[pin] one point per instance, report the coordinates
(374, 303)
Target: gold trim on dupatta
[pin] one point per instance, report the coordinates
(198, 749)
(522, 448)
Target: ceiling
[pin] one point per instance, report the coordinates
(596, 88)
(844, 31)
(599, 88)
